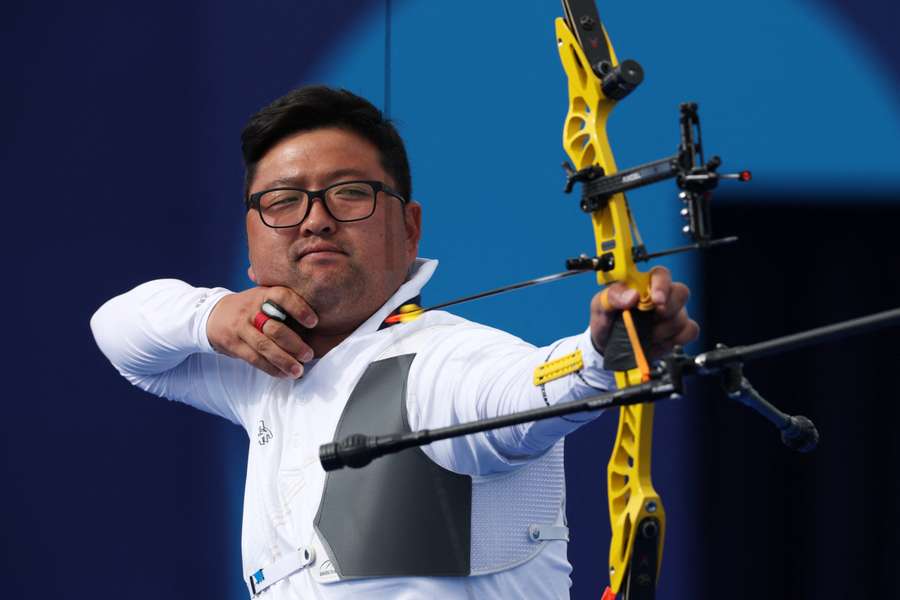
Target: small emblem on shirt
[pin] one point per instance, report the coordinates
(202, 299)
(263, 434)
(326, 569)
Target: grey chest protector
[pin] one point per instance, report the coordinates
(401, 515)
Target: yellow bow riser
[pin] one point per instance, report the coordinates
(631, 495)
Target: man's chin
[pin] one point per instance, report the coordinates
(327, 291)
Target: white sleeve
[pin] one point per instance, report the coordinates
(155, 336)
(475, 372)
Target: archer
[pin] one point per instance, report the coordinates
(306, 356)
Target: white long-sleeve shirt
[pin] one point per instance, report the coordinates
(155, 335)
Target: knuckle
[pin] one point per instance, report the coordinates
(253, 295)
(263, 345)
(282, 295)
(277, 357)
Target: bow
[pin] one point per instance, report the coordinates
(634, 505)
(597, 81)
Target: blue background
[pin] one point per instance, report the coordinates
(122, 164)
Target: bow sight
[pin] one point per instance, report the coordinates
(696, 178)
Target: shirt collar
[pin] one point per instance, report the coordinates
(420, 273)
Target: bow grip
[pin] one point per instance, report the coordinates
(620, 353)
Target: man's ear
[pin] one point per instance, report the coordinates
(413, 226)
(251, 274)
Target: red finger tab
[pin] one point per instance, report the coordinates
(259, 321)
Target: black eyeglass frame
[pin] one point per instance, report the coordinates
(377, 186)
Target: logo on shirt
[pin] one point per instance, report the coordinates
(326, 569)
(263, 434)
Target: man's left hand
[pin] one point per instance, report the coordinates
(671, 327)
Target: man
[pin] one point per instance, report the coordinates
(333, 239)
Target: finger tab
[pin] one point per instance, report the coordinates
(259, 321)
(273, 310)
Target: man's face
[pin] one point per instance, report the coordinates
(345, 271)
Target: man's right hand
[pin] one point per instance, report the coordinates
(278, 350)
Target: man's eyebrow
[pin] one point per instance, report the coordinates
(331, 177)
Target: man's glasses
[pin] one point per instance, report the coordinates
(346, 201)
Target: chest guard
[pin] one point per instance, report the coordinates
(403, 515)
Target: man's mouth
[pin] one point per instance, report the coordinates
(320, 248)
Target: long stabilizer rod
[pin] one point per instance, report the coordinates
(358, 450)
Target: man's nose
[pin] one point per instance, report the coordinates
(319, 220)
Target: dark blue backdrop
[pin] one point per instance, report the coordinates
(121, 165)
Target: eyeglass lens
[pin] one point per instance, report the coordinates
(345, 201)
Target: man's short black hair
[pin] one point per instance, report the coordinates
(316, 106)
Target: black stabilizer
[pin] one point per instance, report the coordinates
(604, 262)
(619, 81)
(800, 434)
(353, 451)
(618, 354)
(797, 432)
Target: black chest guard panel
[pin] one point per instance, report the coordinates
(402, 515)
